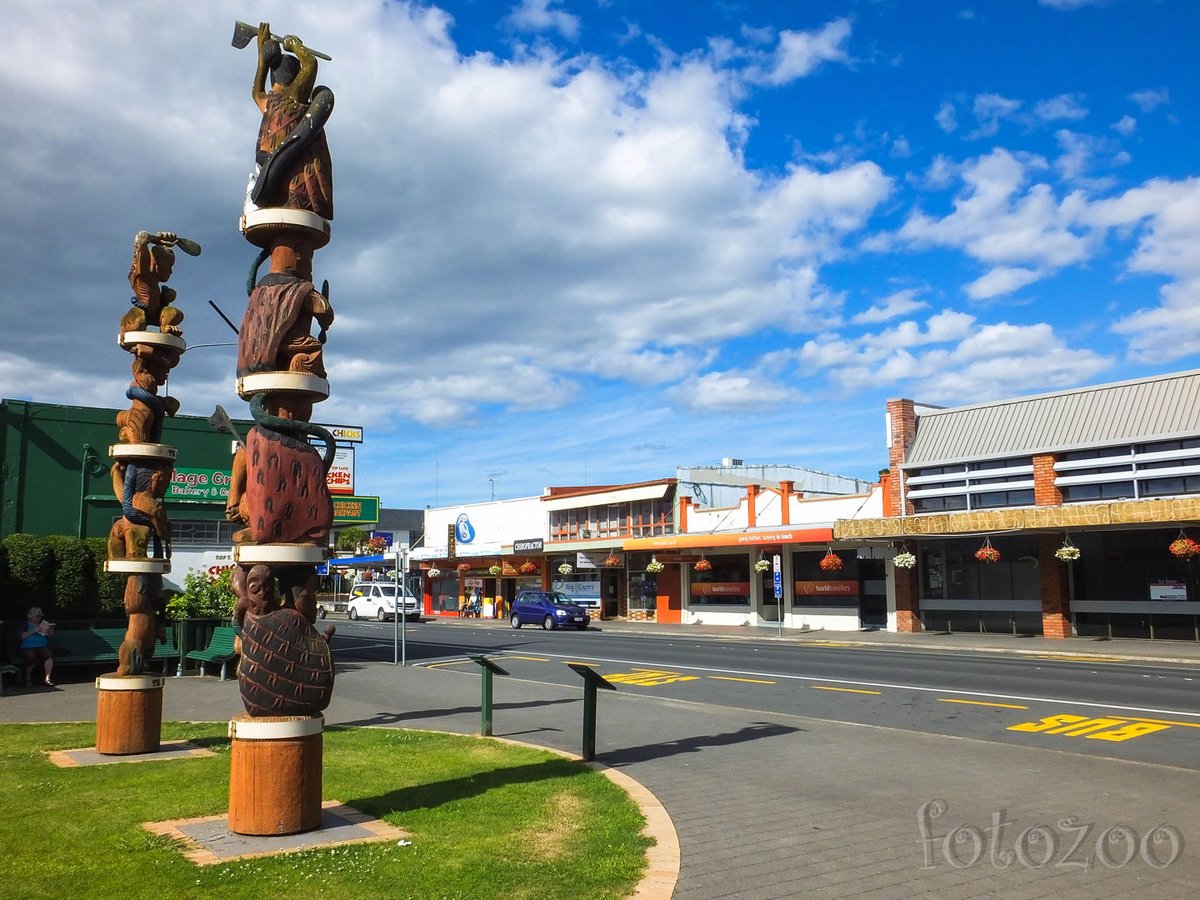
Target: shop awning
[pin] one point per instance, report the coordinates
(732, 539)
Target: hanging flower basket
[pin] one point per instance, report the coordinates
(611, 561)
(1184, 547)
(528, 568)
(434, 572)
(702, 565)
(831, 562)
(494, 570)
(1068, 552)
(904, 560)
(654, 567)
(463, 568)
(424, 567)
(762, 565)
(987, 553)
(565, 569)
(374, 546)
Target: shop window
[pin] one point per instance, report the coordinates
(994, 499)
(726, 584)
(1083, 493)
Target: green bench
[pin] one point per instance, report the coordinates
(219, 649)
(93, 646)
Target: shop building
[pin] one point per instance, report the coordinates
(741, 564)
(1057, 514)
(55, 478)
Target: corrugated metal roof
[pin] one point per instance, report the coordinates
(1156, 408)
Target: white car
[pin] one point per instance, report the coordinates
(374, 600)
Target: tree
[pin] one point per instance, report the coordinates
(350, 539)
(204, 597)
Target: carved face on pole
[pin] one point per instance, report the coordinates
(255, 588)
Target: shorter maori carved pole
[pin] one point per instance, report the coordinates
(279, 491)
(129, 707)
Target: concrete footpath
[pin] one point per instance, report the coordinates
(768, 805)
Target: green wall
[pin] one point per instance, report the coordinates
(44, 487)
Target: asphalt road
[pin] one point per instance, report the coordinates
(1142, 712)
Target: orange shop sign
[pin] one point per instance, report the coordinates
(826, 588)
(720, 588)
(731, 539)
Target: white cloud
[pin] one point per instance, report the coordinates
(947, 117)
(730, 392)
(1064, 106)
(1071, 4)
(1151, 99)
(538, 15)
(990, 110)
(1126, 125)
(1001, 222)
(900, 303)
(1000, 281)
(801, 52)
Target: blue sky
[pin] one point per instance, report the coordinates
(586, 242)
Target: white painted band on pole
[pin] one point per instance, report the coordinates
(138, 566)
(130, 682)
(284, 554)
(275, 729)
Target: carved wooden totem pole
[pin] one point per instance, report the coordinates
(279, 492)
(129, 711)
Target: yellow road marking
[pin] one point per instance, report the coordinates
(1163, 722)
(452, 662)
(818, 687)
(530, 658)
(649, 677)
(747, 680)
(982, 703)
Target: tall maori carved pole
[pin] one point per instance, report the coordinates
(129, 712)
(279, 492)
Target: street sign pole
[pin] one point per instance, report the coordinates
(776, 564)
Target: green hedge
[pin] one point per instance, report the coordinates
(57, 573)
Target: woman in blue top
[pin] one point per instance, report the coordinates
(35, 645)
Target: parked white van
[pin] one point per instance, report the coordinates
(377, 600)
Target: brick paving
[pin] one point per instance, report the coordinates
(770, 805)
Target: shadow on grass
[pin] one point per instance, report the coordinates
(439, 793)
(396, 718)
(696, 744)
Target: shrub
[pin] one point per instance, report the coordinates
(74, 592)
(30, 575)
(204, 597)
(110, 588)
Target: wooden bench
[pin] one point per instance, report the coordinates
(93, 646)
(219, 649)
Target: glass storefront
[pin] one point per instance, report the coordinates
(727, 583)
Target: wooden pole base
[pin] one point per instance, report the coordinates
(275, 774)
(128, 714)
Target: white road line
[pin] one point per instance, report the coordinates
(883, 684)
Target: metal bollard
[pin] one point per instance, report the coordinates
(591, 681)
(487, 668)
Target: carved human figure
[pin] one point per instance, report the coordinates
(141, 487)
(152, 265)
(293, 165)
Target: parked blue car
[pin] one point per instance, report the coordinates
(550, 609)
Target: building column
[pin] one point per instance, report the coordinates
(908, 601)
(1054, 576)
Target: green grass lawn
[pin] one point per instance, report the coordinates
(485, 819)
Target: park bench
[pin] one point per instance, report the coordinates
(94, 646)
(219, 649)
